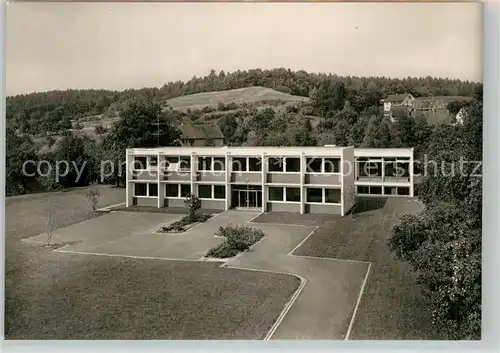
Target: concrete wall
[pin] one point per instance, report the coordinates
(169, 202)
(145, 175)
(149, 202)
(214, 204)
(174, 176)
(283, 207)
(327, 179)
(218, 176)
(255, 178)
(348, 178)
(282, 178)
(326, 209)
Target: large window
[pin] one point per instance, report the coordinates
(146, 189)
(140, 163)
(363, 189)
(205, 191)
(275, 193)
(332, 165)
(177, 190)
(333, 196)
(275, 164)
(153, 189)
(205, 163)
(293, 194)
(239, 164)
(292, 165)
(314, 195)
(219, 163)
(172, 190)
(211, 164)
(219, 191)
(403, 191)
(140, 189)
(185, 190)
(314, 165)
(254, 164)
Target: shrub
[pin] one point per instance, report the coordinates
(237, 239)
(193, 204)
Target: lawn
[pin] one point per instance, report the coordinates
(392, 306)
(69, 296)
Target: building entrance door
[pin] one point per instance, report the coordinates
(247, 198)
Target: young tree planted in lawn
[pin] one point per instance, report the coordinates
(49, 229)
(193, 204)
(93, 195)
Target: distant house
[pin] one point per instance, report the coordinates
(397, 105)
(435, 109)
(201, 135)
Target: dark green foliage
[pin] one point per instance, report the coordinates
(180, 225)
(443, 243)
(193, 204)
(237, 239)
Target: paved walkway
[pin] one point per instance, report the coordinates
(323, 306)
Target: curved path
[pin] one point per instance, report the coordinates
(323, 307)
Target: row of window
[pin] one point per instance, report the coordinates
(387, 168)
(243, 164)
(315, 195)
(386, 190)
(276, 193)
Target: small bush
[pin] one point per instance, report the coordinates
(222, 251)
(237, 239)
(179, 225)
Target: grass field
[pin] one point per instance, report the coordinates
(66, 296)
(392, 305)
(241, 95)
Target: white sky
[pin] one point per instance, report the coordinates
(124, 45)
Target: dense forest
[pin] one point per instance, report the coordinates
(442, 244)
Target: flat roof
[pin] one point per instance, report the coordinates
(242, 150)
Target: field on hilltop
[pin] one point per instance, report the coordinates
(239, 96)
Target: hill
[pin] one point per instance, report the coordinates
(239, 96)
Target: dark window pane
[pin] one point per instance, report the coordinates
(293, 194)
(205, 191)
(292, 164)
(275, 164)
(374, 169)
(219, 192)
(239, 164)
(333, 196)
(275, 193)
(389, 169)
(172, 190)
(185, 190)
(389, 190)
(332, 165)
(219, 163)
(153, 189)
(363, 190)
(205, 163)
(172, 159)
(254, 164)
(314, 195)
(375, 190)
(140, 189)
(313, 165)
(185, 163)
(403, 191)
(140, 162)
(362, 169)
(403, 169)
(153, 161)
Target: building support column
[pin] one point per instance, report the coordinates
(229, 170)
(411, 174)
(194, 172)
(264, 180)
(303, 167)
(129, 186)
(160, 173)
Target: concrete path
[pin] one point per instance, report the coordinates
(322, 308)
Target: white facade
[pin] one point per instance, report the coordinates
(291, 179)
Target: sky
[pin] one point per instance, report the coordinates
(124, 45)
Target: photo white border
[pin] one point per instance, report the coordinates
(491, 226)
